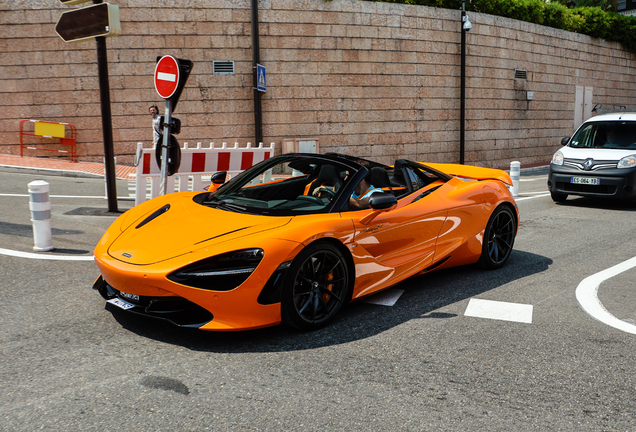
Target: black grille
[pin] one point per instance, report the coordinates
(595, 189)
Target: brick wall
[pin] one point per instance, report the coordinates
(370, 79)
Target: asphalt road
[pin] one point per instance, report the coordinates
(69, 363)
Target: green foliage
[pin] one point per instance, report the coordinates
(431, 3)
(559, 16)
(523, 10)
(595, 22)
(589, 17)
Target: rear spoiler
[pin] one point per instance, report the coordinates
(472, 172)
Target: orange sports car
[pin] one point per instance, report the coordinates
(298, 236)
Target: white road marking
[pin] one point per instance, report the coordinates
(533, 179)
(531, 197)
(56, 196)
(499, 310)
(533, 193)
(47, 256)
(587, 296)
(384, 298)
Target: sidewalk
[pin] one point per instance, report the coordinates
(57, 166)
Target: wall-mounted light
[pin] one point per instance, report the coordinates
(467, 24)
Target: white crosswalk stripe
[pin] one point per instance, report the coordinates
(499, 310)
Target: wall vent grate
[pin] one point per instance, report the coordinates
(521, 74)
(223, 67)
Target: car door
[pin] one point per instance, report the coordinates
(404, 238)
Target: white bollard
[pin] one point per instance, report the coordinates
(40, 206)
(515, 170)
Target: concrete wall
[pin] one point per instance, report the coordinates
(370, 79)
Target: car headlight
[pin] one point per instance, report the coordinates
(219, 273)
(627, 162)
(557, 159)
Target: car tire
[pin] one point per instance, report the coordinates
(316, 287)
(499, 237)
(558, 197)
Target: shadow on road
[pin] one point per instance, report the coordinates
(601, 204)
(422, 297)
(26, 230)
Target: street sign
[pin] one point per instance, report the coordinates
(167, 76)
(89, 22)
(261, 78)
(175, 125)
(173, 155)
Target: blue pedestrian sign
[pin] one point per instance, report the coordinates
(261, 78)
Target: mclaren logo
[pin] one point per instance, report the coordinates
(588, 164)
(127, 255)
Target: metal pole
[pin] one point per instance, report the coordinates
(256, 59)
(462, 86)
(107, 125)
(167, 118)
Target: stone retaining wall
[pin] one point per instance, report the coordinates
(370, 79)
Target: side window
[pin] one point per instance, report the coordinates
(582, 138)
(407, 178)
(415, 181)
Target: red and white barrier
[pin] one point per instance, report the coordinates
(195, 163)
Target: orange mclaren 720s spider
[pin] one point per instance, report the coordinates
(296, 237)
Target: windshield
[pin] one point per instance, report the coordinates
(284, 186)
(607, 134)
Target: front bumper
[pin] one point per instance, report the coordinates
(254, 304)
(613, 183)
(176, 310)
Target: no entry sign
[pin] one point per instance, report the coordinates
(167, 76)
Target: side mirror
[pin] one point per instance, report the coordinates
(379, 203)
(383, 201)
(219, 177)
(218, 180)
(565, 141)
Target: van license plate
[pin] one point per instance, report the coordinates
(585, 180)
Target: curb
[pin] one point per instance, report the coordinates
(48, 171)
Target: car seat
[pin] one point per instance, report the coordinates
(380, 178)
(327, 176)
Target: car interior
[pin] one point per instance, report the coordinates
(310, 184)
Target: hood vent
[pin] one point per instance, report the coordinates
(156, 214)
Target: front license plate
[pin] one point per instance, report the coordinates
(120, 303)
(585, 180)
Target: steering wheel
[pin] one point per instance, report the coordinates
(327, 190)
(330, 192)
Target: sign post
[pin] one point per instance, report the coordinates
(97, 22)
(170, 77)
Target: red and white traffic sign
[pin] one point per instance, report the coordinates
(167, 76)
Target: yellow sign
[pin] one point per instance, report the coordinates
(53, 130)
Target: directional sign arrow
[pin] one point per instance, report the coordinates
(89, 22)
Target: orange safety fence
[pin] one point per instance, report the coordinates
(66, 133)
